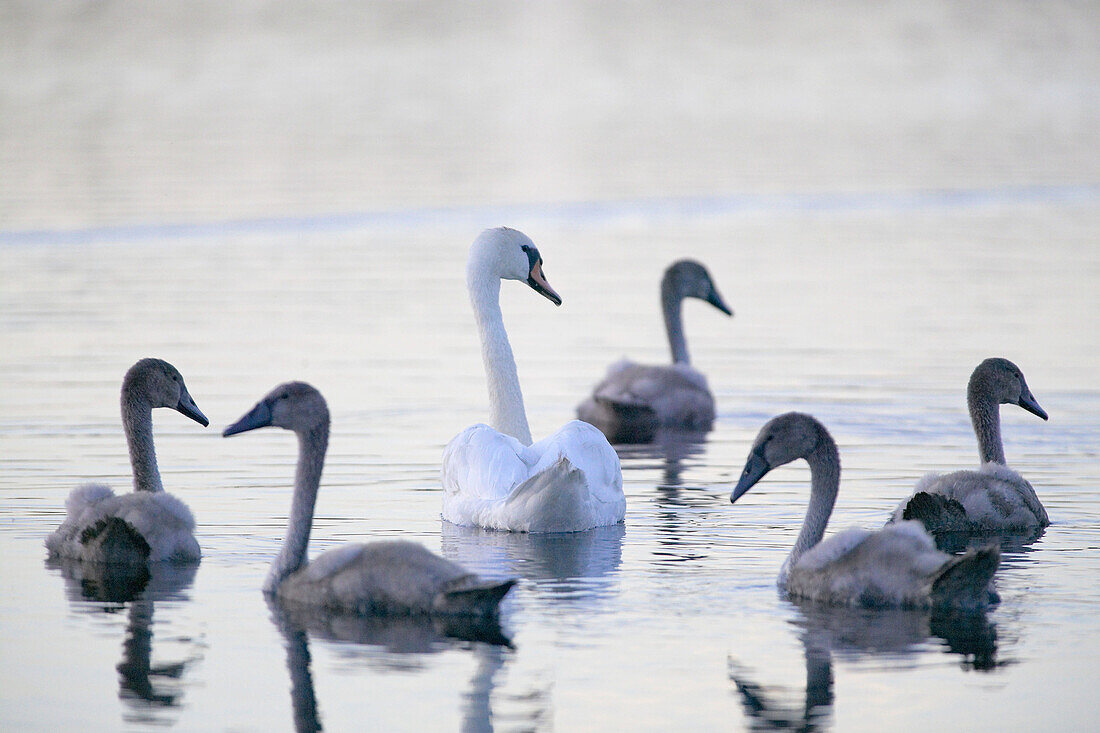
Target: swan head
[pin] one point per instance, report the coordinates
(294, 406)
(690, 279)
(1004, 382)
(509, 254)
(156, 383)
(783, 439)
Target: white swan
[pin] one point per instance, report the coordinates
(634, 400)
(493, 477)
(897, 566)
(383, 578)
(993, 498)
(147, 525)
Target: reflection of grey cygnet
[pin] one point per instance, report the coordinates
(493, 476)
(635, 400)
(303, 700)
(147, 524)
(142, 684)
(763, 707)
(393, 577)
(399, 637)
(859, 634)
(898, 565)
(993, 498)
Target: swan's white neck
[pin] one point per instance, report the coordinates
(671, 301)
(506, 411)
(824, 462)
(307, 479)
(137, 423)
(985, 416)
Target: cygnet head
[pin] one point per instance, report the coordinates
(690, 279)
(156, 383)
(294, 406)
(1003, 381)
(783, 439)
(508, 254)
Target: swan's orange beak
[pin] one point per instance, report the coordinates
(538, 282)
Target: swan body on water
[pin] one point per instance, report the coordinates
(897, 566)
(493, 476)
(148, 524)
(383, 578)
(994, 497)
(635, 400)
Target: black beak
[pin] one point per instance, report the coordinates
(258, 417)
(188, 407)
(716, 300)
(1028, 402)
(755, 468)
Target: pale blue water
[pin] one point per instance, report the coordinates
(879, 219)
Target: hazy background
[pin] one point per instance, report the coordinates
(122, 112)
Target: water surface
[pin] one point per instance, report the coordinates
(882, 211)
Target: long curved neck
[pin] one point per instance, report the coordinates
(671, 300)
(307, 479)
(824, 463)
(506, 411)
(137, 422)
(985, 416)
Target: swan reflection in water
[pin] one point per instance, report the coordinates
(571, 570)
(404, 641)
(677, 507)
(668, 452)
(144, 686)
(856, 633)
(572, 566)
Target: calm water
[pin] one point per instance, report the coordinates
(280, 208)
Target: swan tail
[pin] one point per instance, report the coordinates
(623, 420)
(936, 512)
(114, 540)
(965, 582)
(554, 500)
(481, 600)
